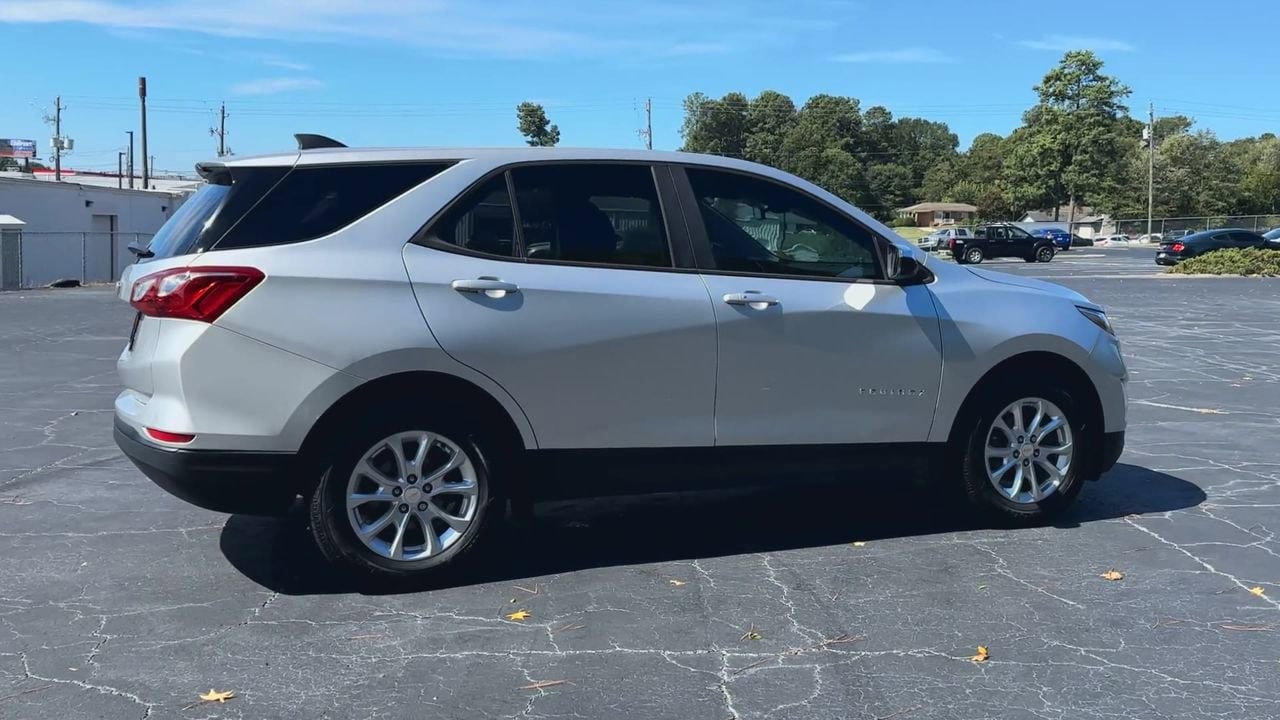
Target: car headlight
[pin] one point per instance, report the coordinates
(1097, 317)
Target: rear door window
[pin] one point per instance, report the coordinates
(591, 213)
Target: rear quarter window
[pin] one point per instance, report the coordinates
(314, 201)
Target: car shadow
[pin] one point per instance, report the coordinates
(566, 536)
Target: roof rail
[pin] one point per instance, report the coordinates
(309, 141)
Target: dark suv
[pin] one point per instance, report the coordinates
(1002, 240)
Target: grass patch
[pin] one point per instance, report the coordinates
(912, 233)
(1235, 261)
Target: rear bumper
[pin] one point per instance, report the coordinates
(252, 483)
(1112, 447)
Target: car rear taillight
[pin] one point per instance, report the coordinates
(195, 293)
(951, 244)
(170, 437)
(1178, 247)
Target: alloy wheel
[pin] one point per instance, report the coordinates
(1028, 450)
(413, 495)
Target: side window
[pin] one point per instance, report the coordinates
(998, 233)
(757, 226)
(481, 222)
(314, 201)
(1244, 239)
(595, 213)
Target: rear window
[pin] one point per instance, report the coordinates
(249, 207)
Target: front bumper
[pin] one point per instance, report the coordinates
(252, 483)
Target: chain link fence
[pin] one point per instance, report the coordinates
(37, 259)
(1136, 228)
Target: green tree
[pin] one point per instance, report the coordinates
(770, 116)
(531, 120)
(1066, 150)
(716, 127)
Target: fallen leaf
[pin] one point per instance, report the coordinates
(751, 634)
(215, 696)
(982, 656)
(519, 615)
(1258, 591)
(545, 684)
(677, 583)
(1113, 575)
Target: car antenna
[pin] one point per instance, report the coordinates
(310, 141)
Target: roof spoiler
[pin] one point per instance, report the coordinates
(309, 141)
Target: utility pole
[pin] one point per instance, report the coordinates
(142, 96)
(57, 138)
(1151, 166)
(120, 169)
(647, 133)
(130, 133)
(220, 132)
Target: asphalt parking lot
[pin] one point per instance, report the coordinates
(118, 601)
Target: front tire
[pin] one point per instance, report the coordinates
(404, 498)
(1044, 254)
(1025, 453)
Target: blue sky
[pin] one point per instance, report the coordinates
(450, 72)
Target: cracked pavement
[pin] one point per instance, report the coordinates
(119, 601)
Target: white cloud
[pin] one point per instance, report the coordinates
(1063, 43)
(285, 63)
(698, 48)
(905, 55)
(275, 86)
(502, 28)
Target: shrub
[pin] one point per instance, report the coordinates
(902, 222)
(1248, 261)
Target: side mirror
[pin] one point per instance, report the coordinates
(899, 267)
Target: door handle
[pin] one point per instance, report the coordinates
(491, 286)
(751, 298)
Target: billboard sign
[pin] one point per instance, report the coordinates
(10, 148)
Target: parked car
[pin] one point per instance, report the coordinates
(1114, 239)
(1177, 234)
(1002, 240)
(1172, 252)
(409, 338)
(1061, 238)
(1145, 239)
(1081, 241)
(941, 238)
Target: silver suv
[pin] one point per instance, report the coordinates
(408, 338)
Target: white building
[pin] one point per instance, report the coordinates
(75, 230)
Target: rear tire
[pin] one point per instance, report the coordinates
(1032, 501)
(973, 255)
(447, 490)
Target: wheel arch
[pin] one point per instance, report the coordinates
(431, 388)
(1036, 364)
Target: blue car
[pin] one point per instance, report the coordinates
(1061, 238)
